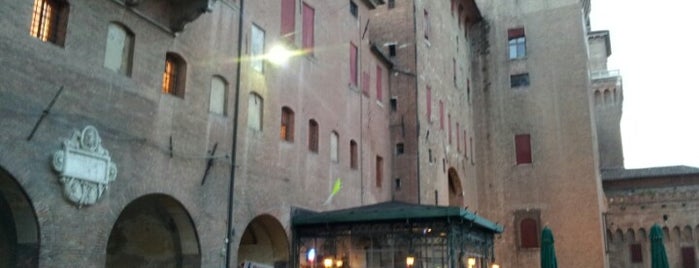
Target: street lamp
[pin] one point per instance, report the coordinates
(410, 260)
(328, 262)
(495, 266)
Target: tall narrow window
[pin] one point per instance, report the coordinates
(449, 127)
(379, 171)
(174, 75)
(427, 25)
(428, 99)
(466, 144)
(528, 233)
(458, 138)
(453, 70)
(379, 83)
(217, 96)
(313, 135)
(441, 115)
(119, 51)
(288, 20)
(523, 149)
(353, 64)
(49, 21)
(255, 111)
(286, 131)
(334, 150)
(257, 48)
(366, 82)
(400, 148)
(353, 155)
(392, 50)
(517, 43)
(636, 253)
(391, 4)
(308, 27)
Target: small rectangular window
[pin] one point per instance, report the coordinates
(392, 50)
(354, 10)
(391, 4)
(353, 155)
(398, 184)
(49, 21)
(523, 149)
(636, 252)
(400, 148)
(394, 104)
(313, 136)
(519, 80)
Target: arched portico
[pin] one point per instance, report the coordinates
(19, 228)
(265, 242)
(153, 231)
(456, 192)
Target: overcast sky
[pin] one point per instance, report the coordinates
(655, 45)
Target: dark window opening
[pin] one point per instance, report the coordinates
(354, 10)
(636, 253)
(519, 80)
(400, 149)
(394, 104)
(398, 185)
(529, 233)
(391, 3)
(523, 149)
(392, 50)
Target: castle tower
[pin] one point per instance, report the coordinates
(608, 100)
(536, 150)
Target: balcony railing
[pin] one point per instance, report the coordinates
(601, 74)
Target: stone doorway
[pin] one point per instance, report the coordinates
(264, 242)
(19, 228)
(153, 231)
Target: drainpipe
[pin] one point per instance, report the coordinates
(234, 139)
(417, 113)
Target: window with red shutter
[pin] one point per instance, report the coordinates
(288, 20)
(523, 149)
(308, 27)
(688, 257)
(636, 253)
(528, 233)
(353, 64)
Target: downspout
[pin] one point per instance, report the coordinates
(417, 113)
(234, 140)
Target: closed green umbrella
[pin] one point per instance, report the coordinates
(658, 257)
(548, 251)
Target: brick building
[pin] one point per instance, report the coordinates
(153, 132)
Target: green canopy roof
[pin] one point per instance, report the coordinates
(391, 211)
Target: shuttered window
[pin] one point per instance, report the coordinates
(288, 20)
(529, 233)
(353, 64)
(308, 27)
(523, 149)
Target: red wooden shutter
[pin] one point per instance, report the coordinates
(523, 148)
(353, 64)
(308, 23)
(688, 257)
(636, 253)
(288, 20)
(379, 83)
(515, 33)
(529, 235)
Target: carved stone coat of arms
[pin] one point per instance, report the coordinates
(84, 166)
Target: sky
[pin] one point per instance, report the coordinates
(657, 53)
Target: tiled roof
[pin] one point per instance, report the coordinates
(623, 174)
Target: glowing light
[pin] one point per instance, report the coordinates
(471, 261)
(495, 266)
(279, 55)
(328, 262)
(311, 255)
(410, 260)
(339, 263)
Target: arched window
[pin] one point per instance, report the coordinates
(286, 132)
(334, 154)
(598, 97)
(313, 135)
(354, 163)
(255, 106)
(217, 96)
(49, 21)
(174, 75)
(118, 55)
(528, 233)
